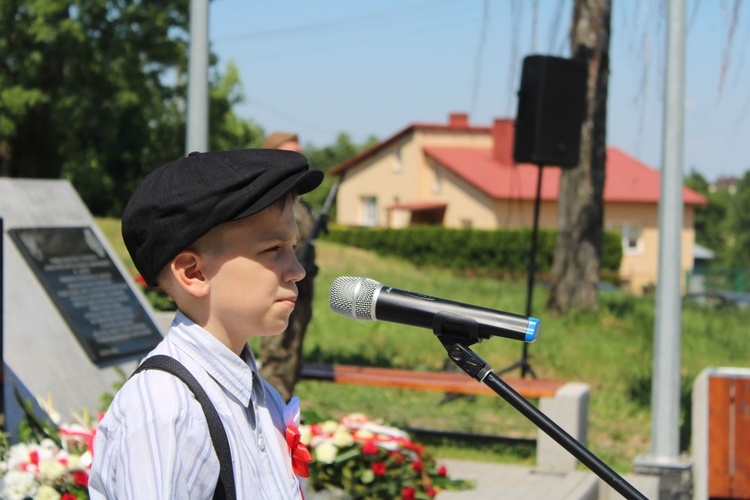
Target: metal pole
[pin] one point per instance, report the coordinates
(197, 105)
(2, 325)
(665, 402)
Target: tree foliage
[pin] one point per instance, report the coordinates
(723, 224)
(93, 107)
(227, 130)
(94, 91)
(710, 220)
(738, 246)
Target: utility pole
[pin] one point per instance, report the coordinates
(664, 459)
(197, 105)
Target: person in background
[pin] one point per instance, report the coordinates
(281, 355)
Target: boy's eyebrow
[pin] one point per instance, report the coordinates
(280, 236)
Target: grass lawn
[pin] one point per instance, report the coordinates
(612, 350)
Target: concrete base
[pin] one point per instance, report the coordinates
(569, 409)
(675, 476)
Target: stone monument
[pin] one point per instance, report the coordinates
(74, 319)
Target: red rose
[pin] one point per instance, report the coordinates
(396, 457)
(68, 496)
(408, 494)
(418, 466)
(430, 492)
(370, 448)
(442, 471)
(379, 468)
(81, 478)
(141, 281)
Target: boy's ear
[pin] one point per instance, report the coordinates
(187, 270)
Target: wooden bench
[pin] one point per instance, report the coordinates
(566, 403)
(454, 382)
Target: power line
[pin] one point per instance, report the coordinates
(290, 118)
(347, 22)
(364, 41)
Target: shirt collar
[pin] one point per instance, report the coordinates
(234, 373)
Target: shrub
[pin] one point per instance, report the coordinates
(469, 249)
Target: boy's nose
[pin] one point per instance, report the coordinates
(297, 271)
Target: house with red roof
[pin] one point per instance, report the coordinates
(460, 175)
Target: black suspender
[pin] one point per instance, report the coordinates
(225, 487)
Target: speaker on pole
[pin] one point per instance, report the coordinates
(551, 109)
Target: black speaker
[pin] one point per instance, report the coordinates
(551, 109)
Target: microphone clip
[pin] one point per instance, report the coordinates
(456, 327)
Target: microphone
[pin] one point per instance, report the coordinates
(364, 299)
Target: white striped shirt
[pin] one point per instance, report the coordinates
(153, 442)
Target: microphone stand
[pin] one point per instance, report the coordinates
(456, 335)
(523, 363)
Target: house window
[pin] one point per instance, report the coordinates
(631, 238)
(398, 167)
(438, 185)
(369, 210)
(467, 223)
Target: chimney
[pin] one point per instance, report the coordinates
(458, 120)
(503, 133)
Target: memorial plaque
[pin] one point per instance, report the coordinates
(89, 291)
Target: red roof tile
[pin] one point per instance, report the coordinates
(627, 179)
(434, 127)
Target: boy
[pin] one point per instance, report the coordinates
(217, 232)
(281, 355)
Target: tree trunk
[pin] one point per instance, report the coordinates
(575, 272)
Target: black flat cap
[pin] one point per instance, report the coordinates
(184, 199)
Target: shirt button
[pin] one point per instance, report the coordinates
(261, 444)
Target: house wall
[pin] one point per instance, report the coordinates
(640, 267)
(400, 173)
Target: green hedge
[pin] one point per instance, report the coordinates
(468, 249)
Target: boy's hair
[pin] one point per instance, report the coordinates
(181, 201)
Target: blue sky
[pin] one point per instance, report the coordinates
(372, 68)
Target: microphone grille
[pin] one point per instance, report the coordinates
(352, 297)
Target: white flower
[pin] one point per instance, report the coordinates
(18, 485)
(51, 469)
(329, 426)
(47, 493)
(47, 450)
(365, 435)
(342, 438)
(18, 455)
(326, 452)
(75, 462)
